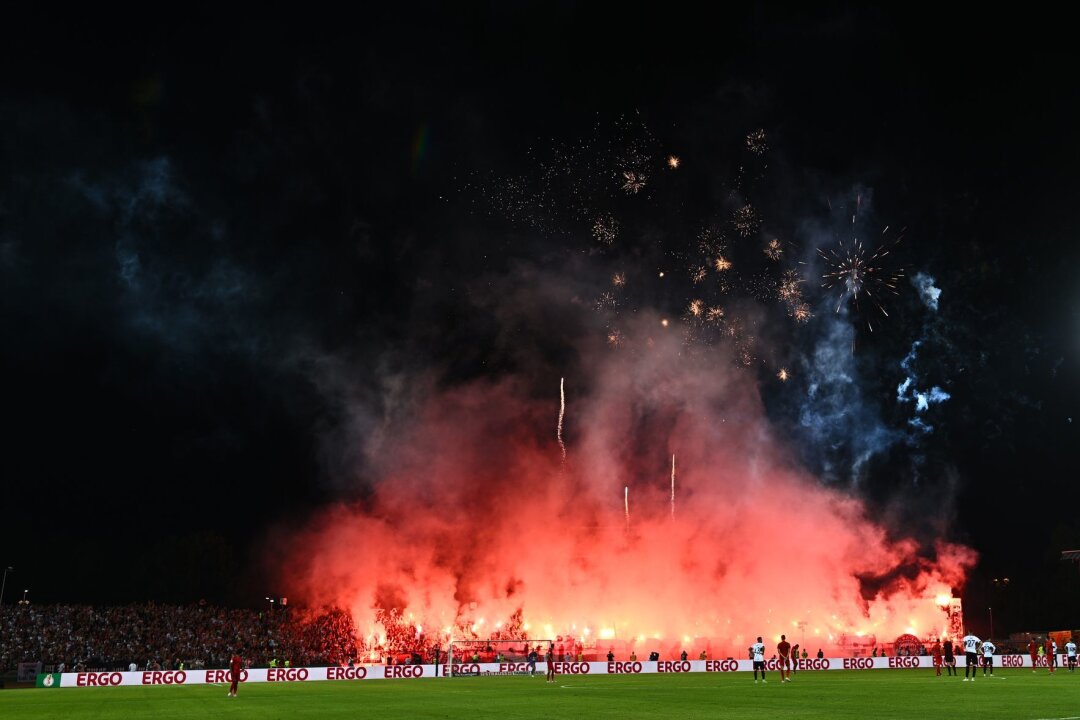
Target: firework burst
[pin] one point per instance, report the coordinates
(746, 220)
(773, 250)
(633, 182)
(856, 272)
(755, 142)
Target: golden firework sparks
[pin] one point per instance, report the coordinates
(664, 322)
(634, 182)
(605, 229)
(614, 337)
(773, 250)
(782, 375)
(714, 314)
(746, 220)
(721, 264)
(618, 280)
(695, 308)
(673, 162)
(755, 142)
(698, 274)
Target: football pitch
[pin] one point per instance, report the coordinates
(877, 695)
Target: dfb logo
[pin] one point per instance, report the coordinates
(622, 668)
(404, 671)
(168, 677)
(346, 673)
(858, 664)
(99, 679)
(721, 665)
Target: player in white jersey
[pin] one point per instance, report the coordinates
(971, 656)
(1070, 655)
(988, 657)
(757, 654)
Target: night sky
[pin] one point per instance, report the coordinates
(218, 232)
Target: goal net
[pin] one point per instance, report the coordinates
(465, 657)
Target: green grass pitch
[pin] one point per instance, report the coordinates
(875, 695)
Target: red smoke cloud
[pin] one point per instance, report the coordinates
(475, 516)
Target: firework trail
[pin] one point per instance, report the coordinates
(626, 505)
(562, 414)
(673, 486)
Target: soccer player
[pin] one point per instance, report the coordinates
(783, 648)
(1033, 649)
(757, 653)
(988, 656)
(794, 661)
(1070, 655)
(551, 663)
(971, 656)
(1051, 651)
(936, 653)
(950, 658)
(531, 666)
(234, 674)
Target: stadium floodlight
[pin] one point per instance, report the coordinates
(3, 583)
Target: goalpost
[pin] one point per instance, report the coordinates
(463, 655)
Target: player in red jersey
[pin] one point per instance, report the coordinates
(1033, 648)
(551, 663)
(234, 674)
(936, 653)
(783, 649)
(1051, 658)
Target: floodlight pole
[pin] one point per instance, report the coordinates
(3, 584)
(991, 622)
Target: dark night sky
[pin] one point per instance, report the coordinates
(198, 213)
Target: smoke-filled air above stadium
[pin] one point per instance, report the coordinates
(621, 477)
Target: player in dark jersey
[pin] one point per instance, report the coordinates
(950, 658)
(550, 663)
(234, 674)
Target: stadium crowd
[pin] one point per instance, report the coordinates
(164, 636)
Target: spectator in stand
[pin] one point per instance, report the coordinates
(610, 655)
(820, 654)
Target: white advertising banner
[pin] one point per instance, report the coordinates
(412, 672)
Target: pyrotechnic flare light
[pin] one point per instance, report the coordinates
(626, 505)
